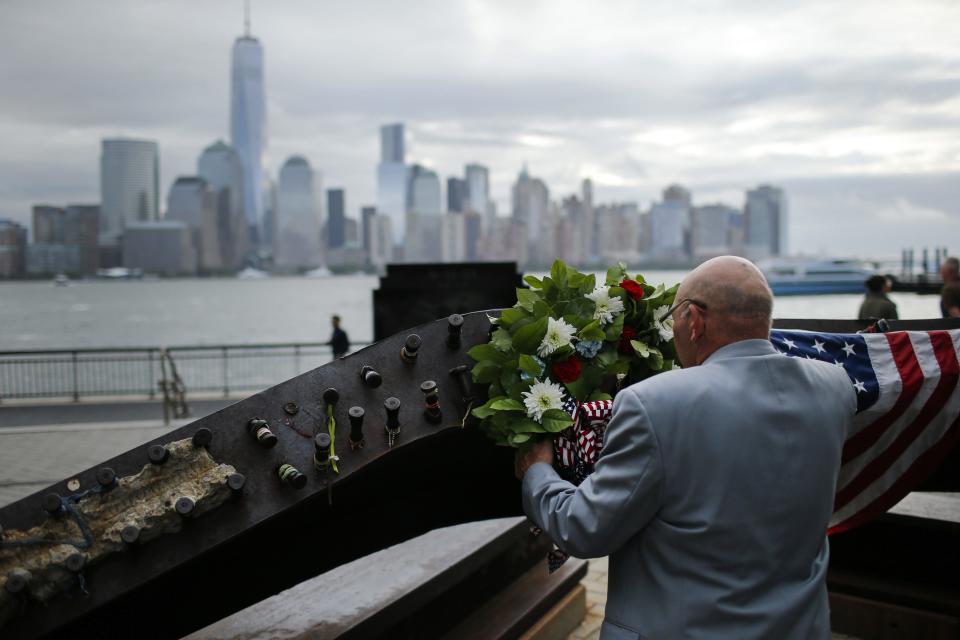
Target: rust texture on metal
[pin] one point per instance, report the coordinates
(45, 559)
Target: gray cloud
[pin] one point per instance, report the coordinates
(855, 112)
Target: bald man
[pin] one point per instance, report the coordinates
(715, 484)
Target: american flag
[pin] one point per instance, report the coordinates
(908, 411)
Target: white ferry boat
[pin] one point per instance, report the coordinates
(809, 277)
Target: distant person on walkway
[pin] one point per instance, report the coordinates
(876, 304)
(950, 295)
(339, 343)
(716, 482)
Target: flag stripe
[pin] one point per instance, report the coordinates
(917, 473)
(946, 356)
(911, 377)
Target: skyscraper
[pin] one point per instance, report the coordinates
(422, 242)
(765, 222)
(336, 218)
(129, 185)
(192, 202)
(248, 123)
(220, 166)
(392, 146)
(298, 219)
(478, 190)
(392, 179)
(531, 198)
(456, 194)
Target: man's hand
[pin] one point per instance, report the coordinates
(530, 453)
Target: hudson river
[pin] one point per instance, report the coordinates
(96, 313)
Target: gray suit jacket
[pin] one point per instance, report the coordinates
(712, 497)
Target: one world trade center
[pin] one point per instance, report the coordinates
(248, 124)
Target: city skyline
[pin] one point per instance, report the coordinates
(854, 137)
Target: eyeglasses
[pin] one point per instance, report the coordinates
(696, 303)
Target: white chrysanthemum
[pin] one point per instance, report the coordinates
(663, 322)
(558, 335)
(542, 397)
(607, 307)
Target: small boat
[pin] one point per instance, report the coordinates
(61, 280)
(319, 272)
(250, 273)
(811, 277)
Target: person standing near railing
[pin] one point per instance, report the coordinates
(950, 295)
(339, 342)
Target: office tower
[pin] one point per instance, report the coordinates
(164, 247)
(456, 194)
(682, 196)
(82, 231)
(590, 236)
(64, 240)
(366, 217)
(192, 202)
(298, 217)
(220, 166)
(453, 238)
(714, 230)
(336, 218)
(667, 229)
(393, 179)
(422, 242)
(351, 232)
(424, 191)
(531, 197)
(129, 185)
(473, 232)
(765, 222)
(248, 125)
(381, 241)
(478, 189)
(49, 224)
(392, 144)
(13, 249)
(618, 232)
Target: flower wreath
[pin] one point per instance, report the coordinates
(565, 346)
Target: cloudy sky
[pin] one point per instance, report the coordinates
(852, 107)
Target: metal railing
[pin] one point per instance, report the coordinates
(138, 371)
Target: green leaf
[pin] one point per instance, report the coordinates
(607, 356)
(541, 309)
(501, 340)
(531, 366)
(577, 389)
(527, 339)
(510, 316)
(487, 352)
(615, 328)
(616, 275)
(647, 352)
(555, 420)
(485, 372)
(507, 404)
(533, 281)
(642, 349)
(485, 410)
(526, 298)
(598, 395)
(592, 331)
(525, 425)
(518, 438)
(559, 273)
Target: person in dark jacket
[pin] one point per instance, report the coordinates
(339, 343)
(950, 296)
(876, 304)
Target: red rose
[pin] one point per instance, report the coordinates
(633, 288)
(568, 370)
(628, 334)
